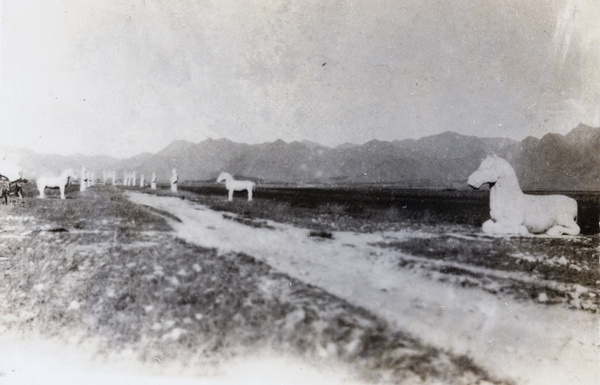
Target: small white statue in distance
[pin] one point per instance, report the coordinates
(129, 178)
(174, 179)
(105, 176)
(236, 185)
(142, 180)
(513, 212)
(83, 181)
(153, 181)
(55, 182)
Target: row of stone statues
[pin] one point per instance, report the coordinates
(88, 179)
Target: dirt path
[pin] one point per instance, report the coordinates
(530, 343)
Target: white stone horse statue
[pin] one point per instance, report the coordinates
(106, 175)
(236, 185)
(55, 182)
(513, 212)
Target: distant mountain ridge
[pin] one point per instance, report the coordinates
(553, 162)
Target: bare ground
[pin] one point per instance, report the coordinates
(432, 288)
(99, 273)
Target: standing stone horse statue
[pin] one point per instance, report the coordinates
(106, 175)
(513, 212)
(55, 182)
(236, 185)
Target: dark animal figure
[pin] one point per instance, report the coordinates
(11, 189)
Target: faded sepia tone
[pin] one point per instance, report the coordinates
(350, 192)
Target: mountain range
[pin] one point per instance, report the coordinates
(553, 162)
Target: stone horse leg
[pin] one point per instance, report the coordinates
(566, 225)
(41, 186)
(503, 227)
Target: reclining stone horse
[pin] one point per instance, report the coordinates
(513, 212)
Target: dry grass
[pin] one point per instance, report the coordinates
(566, 270)
(116, 273)
(563, 270)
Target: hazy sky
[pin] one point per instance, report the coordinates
(122, 77)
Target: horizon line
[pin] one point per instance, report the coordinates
(295, 141)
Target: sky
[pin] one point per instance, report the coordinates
(121, 77)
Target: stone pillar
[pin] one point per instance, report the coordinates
(83, 181)
(174, 181)
(153, 181)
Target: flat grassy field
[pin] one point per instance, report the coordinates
(373, 208)
(562, 270)
(98, 268)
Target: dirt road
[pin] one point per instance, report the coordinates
(525, 341)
